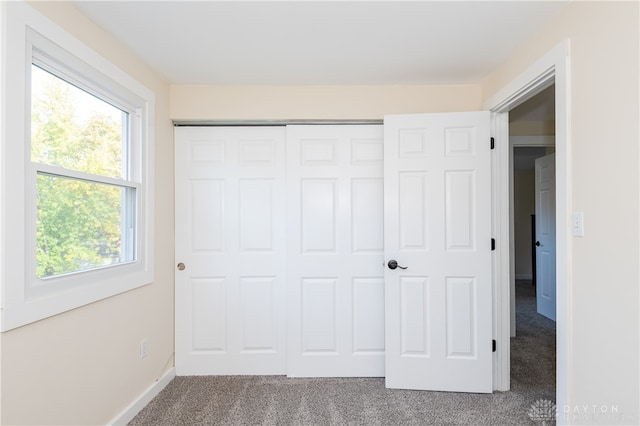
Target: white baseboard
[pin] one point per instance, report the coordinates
(136, 406)
(524, 277)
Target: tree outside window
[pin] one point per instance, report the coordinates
(80, 218)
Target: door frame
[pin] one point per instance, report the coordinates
(551, 68)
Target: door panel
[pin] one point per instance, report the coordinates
(209, 314)
(319, 214)
(368, 324)
(335, 251)
(437, 225)
(545, 189)
(230, 234)
(415, 339)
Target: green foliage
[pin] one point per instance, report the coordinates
(78, 222)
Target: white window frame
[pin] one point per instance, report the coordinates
(26, 34)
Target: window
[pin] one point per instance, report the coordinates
(85, 203)
(77, 197)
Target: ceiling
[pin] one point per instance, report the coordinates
(321, 42)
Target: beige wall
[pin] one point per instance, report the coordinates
(604, 80)
(83, 367)
(532, 128)
(317, 102)
(524, 207)
(2, 129)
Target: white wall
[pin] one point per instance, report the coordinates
(603, 292)
(82, 367)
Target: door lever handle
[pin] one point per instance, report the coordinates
(538, 244)
(394, 264)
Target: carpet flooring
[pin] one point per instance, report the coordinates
(277, 400)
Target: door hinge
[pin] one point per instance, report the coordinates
(493, 143)
(493, 244)
(494, 345)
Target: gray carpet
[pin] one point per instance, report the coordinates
(276, 400)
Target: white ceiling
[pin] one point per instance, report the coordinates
(321, 43)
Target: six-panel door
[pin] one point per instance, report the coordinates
(545, 199)
(335, 251)
(230, 235)
(437, 224)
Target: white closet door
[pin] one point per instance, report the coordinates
(335, 251)
(230, 236)
(437, 225)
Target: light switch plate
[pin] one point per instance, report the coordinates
(578, 224)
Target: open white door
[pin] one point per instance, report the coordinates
(230, 245)
(437, 225)
(546, 235)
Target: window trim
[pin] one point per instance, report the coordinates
(22, 299)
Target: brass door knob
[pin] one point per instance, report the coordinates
(181, 266)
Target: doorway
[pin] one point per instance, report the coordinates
(550, 69)
(531, 137)
(533, 335)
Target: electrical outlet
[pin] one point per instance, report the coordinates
(144, 348)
